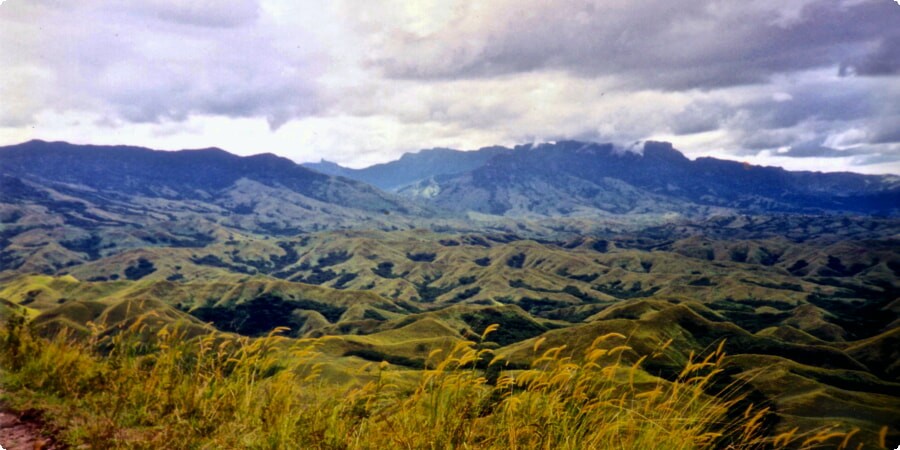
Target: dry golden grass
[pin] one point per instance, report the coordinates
(138, 389)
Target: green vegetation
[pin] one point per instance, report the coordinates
(334, 258)
(142, 268)
(262, 314)
(810, 322)
(421, 257)
(385, 270)
(141, 389)
(516, 261)
(429, 293)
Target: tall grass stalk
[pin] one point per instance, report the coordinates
(143, 389)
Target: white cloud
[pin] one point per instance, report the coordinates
(361, 82)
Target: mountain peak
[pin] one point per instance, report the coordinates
(436, 151)
(663, 151)
(568, 176)
(267, 157)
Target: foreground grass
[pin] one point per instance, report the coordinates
(136, 389)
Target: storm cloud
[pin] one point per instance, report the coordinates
(810, 84)
(650, 44)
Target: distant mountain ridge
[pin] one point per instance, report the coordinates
(182, 175)
(62, 204)
(566, 179)
(413, 167)
(585, 179)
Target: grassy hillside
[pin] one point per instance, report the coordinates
(267, 393)
(856, 379)
(800, 314)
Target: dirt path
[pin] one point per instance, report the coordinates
(22, 431)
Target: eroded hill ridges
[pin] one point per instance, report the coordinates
(755, 283)
(793, 371)
(187, 249)
(820, 313)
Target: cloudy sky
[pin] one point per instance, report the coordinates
(811, 85)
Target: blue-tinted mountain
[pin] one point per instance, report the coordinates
(578, 178)
(413, 167)
(563, 179)
(333, 169)
(181, 175)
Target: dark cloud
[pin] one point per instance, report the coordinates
(882, 61)
(801, 113)
(202, 13)
(886, 131)
(829, 101)
(751, 142)
(662, 44)
(878, 158)
(699, 117)
(816, 150)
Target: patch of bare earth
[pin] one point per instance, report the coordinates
(22, 431)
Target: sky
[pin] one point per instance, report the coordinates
(802, 84)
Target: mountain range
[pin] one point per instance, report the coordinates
(563, 179)
(63, 204)
(794, 275)
(413, 167)
(578, 178)
(181, 175)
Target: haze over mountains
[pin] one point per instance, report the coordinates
(413, 167)
(558, 179)
(567, 179)
(579, 178)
